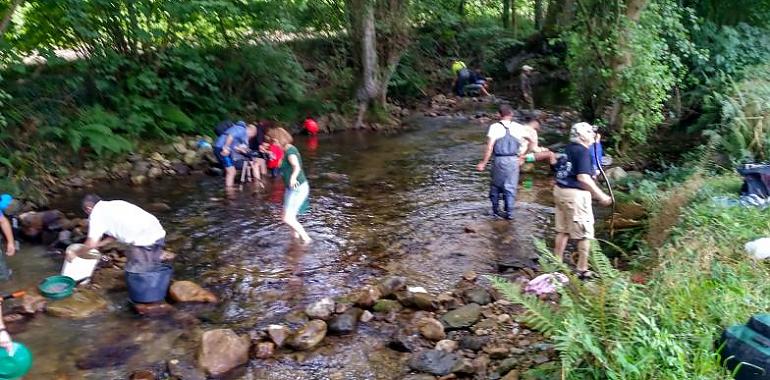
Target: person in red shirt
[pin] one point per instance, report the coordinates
(274, 154)
(311, 126)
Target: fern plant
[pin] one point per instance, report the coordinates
(602, 324)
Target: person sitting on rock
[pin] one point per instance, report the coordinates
(117, 220)
(478, 85)
(235, 139)
(462, 77)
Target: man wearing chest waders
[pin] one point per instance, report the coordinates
(504, 140)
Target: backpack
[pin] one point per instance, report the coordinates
(222, 127)
(756, 179)
(508, 145)
(464, 74)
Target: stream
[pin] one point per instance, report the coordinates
(395, 204)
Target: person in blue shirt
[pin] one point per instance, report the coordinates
(573, 193)
(234, 140)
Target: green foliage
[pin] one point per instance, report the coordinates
(744, 128)
(622, 70)
(93, 128)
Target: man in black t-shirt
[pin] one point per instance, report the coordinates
(572, 195)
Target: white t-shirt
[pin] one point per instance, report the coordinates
(125, 222)
(497, 130)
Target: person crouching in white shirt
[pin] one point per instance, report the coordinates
(127, 223)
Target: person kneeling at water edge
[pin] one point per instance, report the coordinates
(505, 140)
(296, 196)
(573, 193)
(109, 221)
(235, 138)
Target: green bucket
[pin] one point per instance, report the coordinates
(16, 366)
(57, 287)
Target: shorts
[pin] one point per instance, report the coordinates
(225, 161)
(295, 200)
(574, 215)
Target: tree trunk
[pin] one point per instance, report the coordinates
(506, 14)
(379, 33)
(538, 14)
(513, 16)
(560, 13)
(621, 61)
(8, 15)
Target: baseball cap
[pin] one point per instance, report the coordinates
(581, 128)
(5, 201)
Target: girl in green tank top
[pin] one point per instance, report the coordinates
(296, 195)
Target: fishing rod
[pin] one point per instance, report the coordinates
(609, 189)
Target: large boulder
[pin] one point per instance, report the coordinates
(322, 309)
(435, 362)
(82, 304)
(462, 317)
(346, 322)
(309, 335)
(188, 291)
(222, 350)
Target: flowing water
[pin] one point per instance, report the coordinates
(381, 205)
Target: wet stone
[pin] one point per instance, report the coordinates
(367, 296)
(264, 350)
(143, 374)
(346, 322)
(507, 365)
(462, 317)
(278, 334)
(391, 285)
(82, 304)
(435, 362)
(184, 370)
(419, 377)
(387, 306)
(222, 350)
(477, 295)
(322, 309)
(188, 291)
(367, 316)
(446, 345)
(405, 342)
(512, 375)
(464, 366)
(309, 336)
(107, 356)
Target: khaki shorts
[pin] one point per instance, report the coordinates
(574, 215)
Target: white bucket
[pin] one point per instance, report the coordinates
(80, 268)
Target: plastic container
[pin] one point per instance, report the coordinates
(149, 287)
(16, 366)
(57, 287)
(81, 266)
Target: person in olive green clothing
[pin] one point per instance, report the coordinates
(296, 197)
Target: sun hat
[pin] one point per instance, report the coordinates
(5, 201)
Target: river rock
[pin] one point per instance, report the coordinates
(431, 329)
(138, 180)
(512, 375)
(278, 334)
(143, 374)
(264, 350)
(447, 345)
(309, 335)
(480, 364)
(616, 174)
(222, 350)
(497, 350)
(82, 304)
(346, 322)
(188, 291)
(420, 376)
(434, 362)
(477, 295)
(154, 309)
(180, 168)
(464, 366)
(473, 343)
(140, 167)
(367, 316)
(470, 276)
(32, 302)
(180, 147)
(391, 285)
(159, 207)
(462, 317)
(155, 172)
(322, 309)
(191, 158)
(387, 306)
(184, 371)
(507, 365)
(367, 297)
(417, 300)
